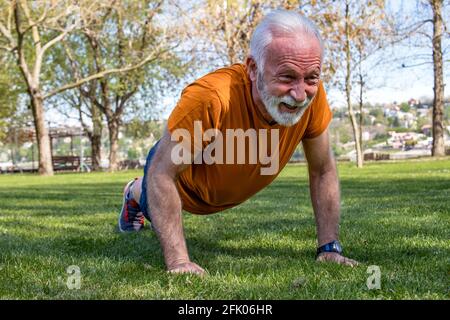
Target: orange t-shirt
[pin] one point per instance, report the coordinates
(222, 100)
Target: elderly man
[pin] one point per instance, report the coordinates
(278, 92)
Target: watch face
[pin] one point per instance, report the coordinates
(333, 246)
(337, 247)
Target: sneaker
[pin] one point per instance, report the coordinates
(130, 218)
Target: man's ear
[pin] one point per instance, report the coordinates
(251, 68)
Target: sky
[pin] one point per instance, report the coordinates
(393, 83)
(399, 85)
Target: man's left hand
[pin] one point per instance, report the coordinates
(337, 258)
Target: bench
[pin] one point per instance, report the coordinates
(63, 163)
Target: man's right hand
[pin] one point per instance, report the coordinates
(187, 267)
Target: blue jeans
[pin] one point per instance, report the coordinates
(143, 203)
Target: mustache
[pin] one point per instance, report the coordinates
(261, 87)
(292, 102)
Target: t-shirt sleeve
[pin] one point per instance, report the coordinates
(197, 110)
(321, 115)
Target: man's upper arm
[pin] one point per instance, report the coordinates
(318, 153)
(162, 162)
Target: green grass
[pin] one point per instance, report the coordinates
(394, 215)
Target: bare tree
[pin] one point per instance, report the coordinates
(353, 31)
(438, 69)
(348, 84)
(227, 25)
(427, 30)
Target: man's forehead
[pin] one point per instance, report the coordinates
(294, 47)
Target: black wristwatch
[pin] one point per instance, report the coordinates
(333, 246)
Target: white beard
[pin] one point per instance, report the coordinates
(272, 104)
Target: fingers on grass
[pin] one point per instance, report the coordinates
(337, 258)
(350, 262)
(190, 269)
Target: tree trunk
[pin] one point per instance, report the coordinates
(96, 152)
(43, 139)
(356, 136)
(113, 127)
(96, 138)
(13, 155)
(14, 144)
(438, 105)
(361, 115)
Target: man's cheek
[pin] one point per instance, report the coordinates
(311, 93)
(278, 93)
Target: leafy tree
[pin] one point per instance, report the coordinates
(126, 32)
(30, 30)
(405, 107)
(9, 94)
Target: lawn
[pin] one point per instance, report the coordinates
(394, 215)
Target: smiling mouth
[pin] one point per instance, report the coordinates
(288, 107)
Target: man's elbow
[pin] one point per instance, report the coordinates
(323, 168)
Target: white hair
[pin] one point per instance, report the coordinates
(284, 22)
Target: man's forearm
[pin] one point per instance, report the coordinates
(165, 213)
(324, 187)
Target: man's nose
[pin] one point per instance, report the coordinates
(298, 92)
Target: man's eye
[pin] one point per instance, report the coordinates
(286, 78)
(312, 79)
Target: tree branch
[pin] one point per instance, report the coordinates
(417, 65)
(123, 100)
(7, 34)
(20, 54)
(9, 49)
(49, 44)
(42, 18)
(31, 25)
(102, 74)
